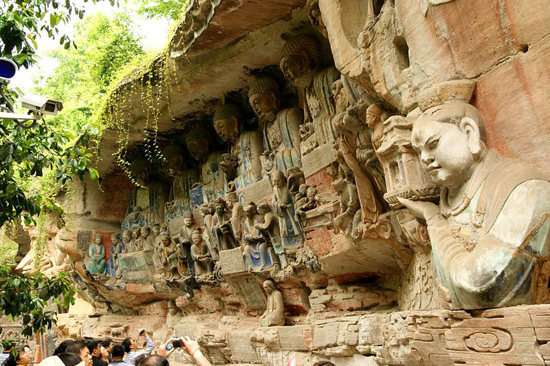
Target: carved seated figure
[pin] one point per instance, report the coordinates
(97, 263)
(274, 313)
(306, 200)
(490, 233)
(246, 146)
(200, 254)
(257, 254)
(280, 127)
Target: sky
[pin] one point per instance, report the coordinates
(154, 35)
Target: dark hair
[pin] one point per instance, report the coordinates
(92, 344)
(126, 343)
(63, 346)
(12, 360)
(106, 342)
(139, 358)
(323, 363)
(117, 350)
(76, 346)
(69, 359)
(153, 360)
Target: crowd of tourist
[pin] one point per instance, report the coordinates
(94, 352)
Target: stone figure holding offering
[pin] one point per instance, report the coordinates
(274, 313)
(200, 254)
(96, 252)
(489, 234)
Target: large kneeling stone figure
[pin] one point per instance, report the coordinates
(490, 234)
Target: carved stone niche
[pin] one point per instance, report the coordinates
(405, 177)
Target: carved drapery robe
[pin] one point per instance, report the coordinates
(490, 249)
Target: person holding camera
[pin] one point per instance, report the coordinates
(130, 346)
(190, 346)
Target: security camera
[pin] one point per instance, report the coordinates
(41, 105)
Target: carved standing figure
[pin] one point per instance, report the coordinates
(136, 233)
(147, 241)
(127, 241)
(274, 313)
(116, 248)
(96, 252)
(283, 205)
(246, 146)
(184, 238)
(270, 230)
(207, 211)
(490, 233)
(256, 251)
(302, 64)
(221, 227)
(200, 254)
(280, 127)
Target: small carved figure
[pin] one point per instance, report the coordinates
(302, 64)
(136, 242)
(490, 233)
(274, 313)
(283, 205)
(256, 251)
(270, 230)
(280, 128)
(221, 227)
(207, 211)
(169, 257)
(306, 199)
(349, 205)
(116, 248)
(146, 240)
(127, 240)
(184, 238)
(96, 252)
(200, 255)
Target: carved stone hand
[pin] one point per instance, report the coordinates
(421, 209)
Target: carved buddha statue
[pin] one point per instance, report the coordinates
(274, 313)
(246, 146)
(302, 64)
(280, 127)
(490, 232)
(202, 259)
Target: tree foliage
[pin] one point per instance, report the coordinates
(169, 9)
(21, 21)
(26, 298)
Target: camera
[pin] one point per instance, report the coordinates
(174, 343)
(41, 105)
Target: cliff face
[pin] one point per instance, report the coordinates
(187, 250)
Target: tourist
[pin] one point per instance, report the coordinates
(95, 350)
(130, 346)
(62, 347)
(117, 356)
(105, 354)
(80, 349)
(107, 344)
(8, 347)
(190, 346)
(70, 359)
(22, 357)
